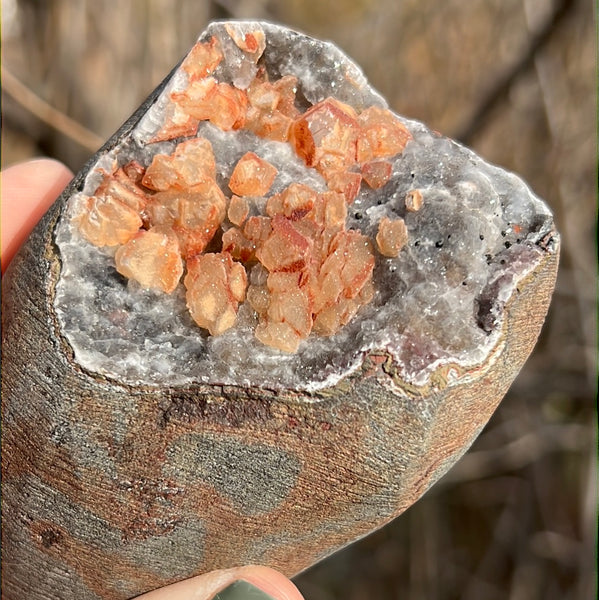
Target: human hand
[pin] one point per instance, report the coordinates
(28, 190)
(241, 583)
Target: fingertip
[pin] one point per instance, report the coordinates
(37, 173)
(28, 190)
(270, 581)
(206, 587)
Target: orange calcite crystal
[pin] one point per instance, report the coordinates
(335, 210)
(332, 318)
(107, 222)
(382, 134)
(344, 273)
(222, 104)
(229, 106)
(414, 201)
(202, 59)
(286, 249)
(242, 244)
(325, 136)
(271, 108)
(215, 286)
(238, 210)
(263, 96)
(257, 229)
(278, 335)
(252, 176)
(196, 99)
(350, 261)
(288, 317)
(294, 202)
(238, 245)
(287, 88)
(177, 123)
(345, 182)
(192, 163)
(123, 186)
(269, 125)
(253, 42)
(194, 214)
(376, 173)
(200, 214)
(309, 272)
(153, 259)
(392, 236)
(112, 216)
(325, 214)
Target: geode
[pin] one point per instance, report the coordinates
(260, 323)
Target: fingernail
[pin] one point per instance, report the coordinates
(242, 590)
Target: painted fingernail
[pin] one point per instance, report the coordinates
(242, 590)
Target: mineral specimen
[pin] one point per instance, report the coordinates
(245, 157)
(259, 324)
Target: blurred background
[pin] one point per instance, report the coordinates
(514, 79)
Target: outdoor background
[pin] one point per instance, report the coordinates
(514, 79)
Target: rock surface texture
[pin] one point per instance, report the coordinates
(259, 324)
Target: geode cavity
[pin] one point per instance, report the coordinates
(439, 301)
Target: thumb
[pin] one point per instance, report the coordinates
(28, 190)
(241, 583)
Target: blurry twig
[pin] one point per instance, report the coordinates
(522, 451)
(505, 81)
(31, 102)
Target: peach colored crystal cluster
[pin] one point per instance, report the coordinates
(294, 262)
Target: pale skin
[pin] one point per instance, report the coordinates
(28, 190)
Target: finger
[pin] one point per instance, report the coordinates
(28, 190)
(242, 583)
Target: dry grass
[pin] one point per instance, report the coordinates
(516, 518)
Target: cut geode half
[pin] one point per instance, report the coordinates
(438, 302)
(144, 442)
